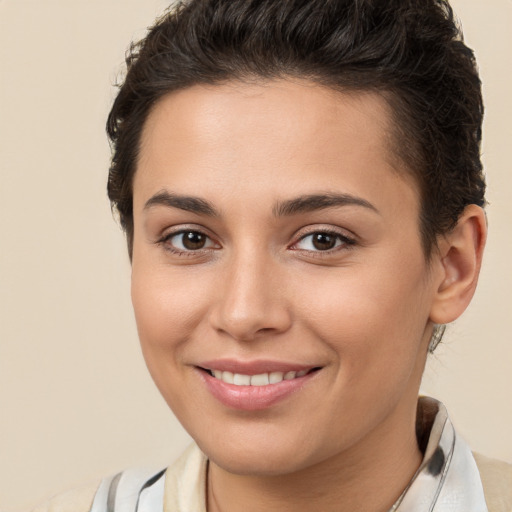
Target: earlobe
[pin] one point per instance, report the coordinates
(460, 259)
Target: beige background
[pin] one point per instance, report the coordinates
(75, 399)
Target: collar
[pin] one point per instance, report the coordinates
(448, 479)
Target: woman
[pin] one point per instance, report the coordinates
(301, 188)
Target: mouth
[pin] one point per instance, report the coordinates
(255, 386)
(260, 379)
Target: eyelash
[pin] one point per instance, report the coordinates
(345, 243)
(165, 241)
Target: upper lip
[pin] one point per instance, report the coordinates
(255, 367)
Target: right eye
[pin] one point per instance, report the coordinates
(188, 241)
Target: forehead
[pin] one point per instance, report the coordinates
(276, 134)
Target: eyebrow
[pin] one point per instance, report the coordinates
(309, 203)
(298, 205)
(187, 203)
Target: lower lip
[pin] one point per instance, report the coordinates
(253, 398)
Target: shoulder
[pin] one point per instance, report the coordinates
(185, 482)
(181, 488)
(124, 490)
(78, 500)
(496, 478)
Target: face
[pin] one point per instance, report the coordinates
(280, 290)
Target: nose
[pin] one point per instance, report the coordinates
(251, 299)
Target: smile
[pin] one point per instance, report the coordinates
(249, 387)
(262, 379)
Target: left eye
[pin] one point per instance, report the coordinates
(190, 241)
(321, 241)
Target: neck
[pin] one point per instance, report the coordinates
(368, 477)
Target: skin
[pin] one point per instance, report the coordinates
(363, 311)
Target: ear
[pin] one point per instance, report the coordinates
(458, 265)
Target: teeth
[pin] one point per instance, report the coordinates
(241, 380)
(275, 377)
(261, 379)
(227, 377)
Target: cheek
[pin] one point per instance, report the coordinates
(373, 317)
(166, 311)
(373, 324)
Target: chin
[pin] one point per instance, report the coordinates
(256, 464)
(259, 457)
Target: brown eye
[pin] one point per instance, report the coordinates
(323, 241)
(193, 240)
(188, 241)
